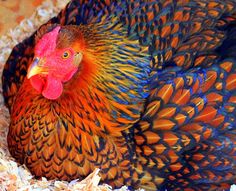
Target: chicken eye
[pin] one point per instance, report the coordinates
(65, 55)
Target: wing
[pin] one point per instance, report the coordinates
(188, 128)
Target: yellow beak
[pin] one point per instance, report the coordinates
(36, 68)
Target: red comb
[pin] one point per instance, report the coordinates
(47, 43)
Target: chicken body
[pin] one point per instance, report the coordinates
(152, 103)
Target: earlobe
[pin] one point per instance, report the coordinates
(78, 58)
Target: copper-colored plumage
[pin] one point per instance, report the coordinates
(152, 104)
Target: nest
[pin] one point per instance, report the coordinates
(12, 175)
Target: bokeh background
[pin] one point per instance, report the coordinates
(12, 12)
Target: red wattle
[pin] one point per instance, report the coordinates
(50, 87)
(53, 88)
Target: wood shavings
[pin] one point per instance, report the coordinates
(233, 187)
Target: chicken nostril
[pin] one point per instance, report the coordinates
(35, 61)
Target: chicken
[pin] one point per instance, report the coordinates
(143, 90)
